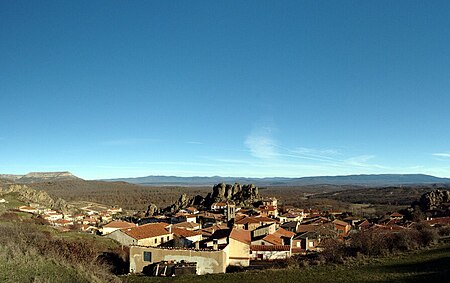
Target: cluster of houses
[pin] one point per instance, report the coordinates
(88, 220)
(224, 236)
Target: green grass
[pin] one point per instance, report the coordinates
(12, 201)
(22, 261)
(432, 265)
(17, 267)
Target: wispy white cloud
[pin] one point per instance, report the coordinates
(360, 160)
(316, 152)
(442, 154)
(128, 141)
(194, 142)
(261, 143)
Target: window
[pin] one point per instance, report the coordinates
(168, 237)
(148, 256)
(162, 239)
(156, 240)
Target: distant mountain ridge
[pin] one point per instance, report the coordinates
(35, 177)
(362, 180)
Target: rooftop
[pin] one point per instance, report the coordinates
(119, 224)
(147, 231)
(267, 248)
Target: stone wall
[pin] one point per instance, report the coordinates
(207, 261)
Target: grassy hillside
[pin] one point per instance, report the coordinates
(431, 265)
(38, 253)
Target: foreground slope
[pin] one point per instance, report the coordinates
(430, 265)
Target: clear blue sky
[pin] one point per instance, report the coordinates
(232, 88)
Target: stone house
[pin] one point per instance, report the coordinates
(341, 227)
(252, 223)
(207, 261)
(272, 252)
(116, 225)
(152, 235)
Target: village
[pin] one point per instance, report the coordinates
(221, 235)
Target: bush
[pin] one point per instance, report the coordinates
(25, 241)
(334, 251)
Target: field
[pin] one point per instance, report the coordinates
(431, 265)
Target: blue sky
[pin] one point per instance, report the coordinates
(232, 88)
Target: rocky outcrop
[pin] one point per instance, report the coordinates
(152, 209)
(29, 195)
(245, 195)
(62, 205)
(183, 202)
(434, 199)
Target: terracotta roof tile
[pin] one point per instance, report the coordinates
(265, 248)
(247, 220)
(184, 233)
(147, 231)
(187, 225)
(273, 239)
(340, 222)
(119, 224)
(396, 214)
(284, 233)
(439, 220)
(243, 236)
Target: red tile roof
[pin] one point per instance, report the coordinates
(147, 231)
(210, 230)
(247, 220)
(439, 220)
(187, 225)
(284, 233)
(119, 224)
(240, 235)
(265, 248)
(340, 222)
(273, 239)
(184, 233)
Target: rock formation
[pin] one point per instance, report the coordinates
(30, 195)
(183, 202)
(434, 199)
(152, 209)
(245, 195)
